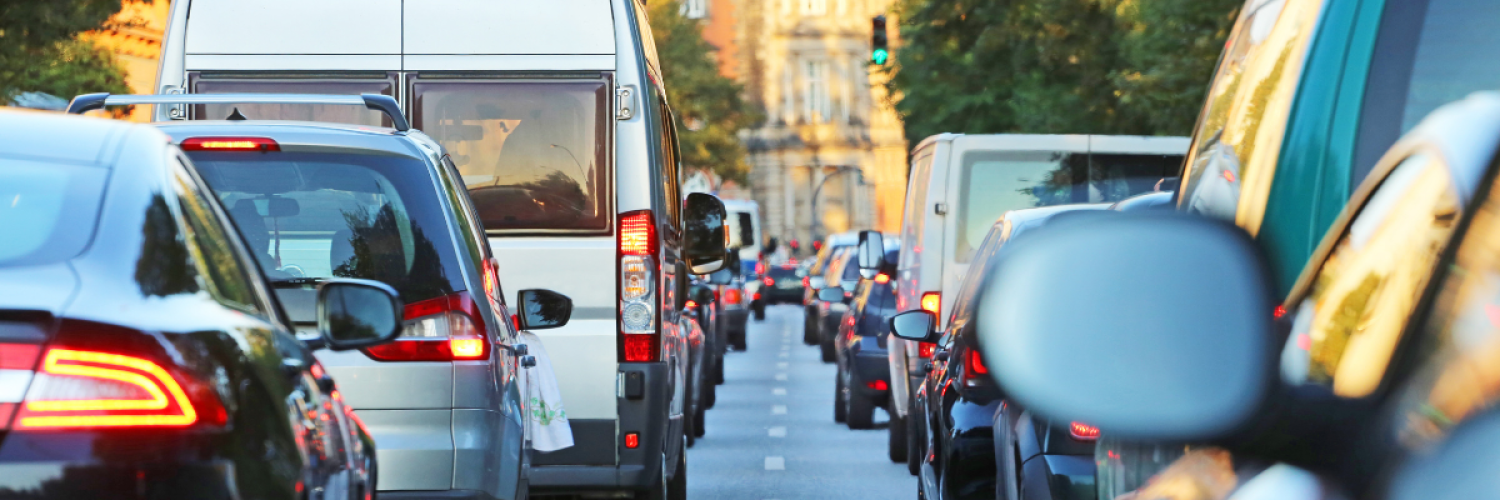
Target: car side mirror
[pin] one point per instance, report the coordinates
(871, 253)
(721, 277)
(355, 313)
(543, 309)
(831, 294)
(1150, 325)
(703, 230)
(918, 325)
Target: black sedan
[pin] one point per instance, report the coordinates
(783, 284)
(863, 379)
(142, 353)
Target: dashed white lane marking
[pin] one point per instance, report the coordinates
(779, 391)
(778, 409)
(775, 463)
(781, 376)
(783, 354)
(781, 364)
(777, 432)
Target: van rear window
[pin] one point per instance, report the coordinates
(533, 154)
(283, 85)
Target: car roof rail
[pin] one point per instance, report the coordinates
(383, 103)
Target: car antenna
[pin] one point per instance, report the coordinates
(235, 116)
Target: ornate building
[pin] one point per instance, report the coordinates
(830, 156)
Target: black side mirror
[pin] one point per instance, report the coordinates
(918, 325)
(354, 313)
(831, 294)
(543, 309)
(703, 227)
(871, 253)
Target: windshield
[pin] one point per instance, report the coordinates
(48, 210)
(994, 182)
(533, 154)
(307, 216)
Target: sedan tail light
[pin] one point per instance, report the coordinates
(1083, 432)
(447, 328)
(974, 369)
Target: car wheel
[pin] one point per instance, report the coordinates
(719, 371)
(827, 346)
(809, 327)
(839, 409)
(710, 395)
(673, 488)
(760, 313)
(861, 412)
(738, 341)
(698, 417)
(915, 440)
(896, 444)
(688, 421)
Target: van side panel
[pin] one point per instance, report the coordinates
(295, 27)
(509, 27)
(935, 230)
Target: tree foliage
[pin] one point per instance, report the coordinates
(39, 49)
(710, 109)
(1056, 66)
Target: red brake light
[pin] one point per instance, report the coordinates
(768, 281)
(976, 363)
(925, 349)
(879, 385)
(637, 234)
(756, 296)
(447, 328)
(632, 440)
(733, 295)
(491, 278)
(932, 302)
(692, 303)
(261, 144)
(1279, 311)
(1083, 432)
(806, 282)
(760, 267)
(99, 389)
(640, 348)
(882, 278)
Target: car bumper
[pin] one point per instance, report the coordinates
(65, 480)
(1068, 477)
(598, 460)
(869, 367)
(737, 318)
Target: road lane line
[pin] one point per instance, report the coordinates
(777, 432)
(782, 354)
(781, 364)
(781, 376)
(779, 391)
(778, 409)
(775, 463)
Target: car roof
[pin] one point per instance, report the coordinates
(307, 136)
(61, 138)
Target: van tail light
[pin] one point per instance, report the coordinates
(639, 339)
(447, 328)
(261, 144)
(1083, 432)
(932, 302)
(76, 389)
(925, 349)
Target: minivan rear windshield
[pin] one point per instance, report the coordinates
(533, 154)
(994, 182)
(48, 210)
(293, 85)
(307, 216)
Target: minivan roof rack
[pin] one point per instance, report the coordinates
(378, 102)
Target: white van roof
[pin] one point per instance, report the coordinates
(394, 27)
(1080, 143)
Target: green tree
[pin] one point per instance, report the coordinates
(1169, 49)
(39, 49)
(710, 108)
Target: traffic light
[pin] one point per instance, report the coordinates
(879, 53)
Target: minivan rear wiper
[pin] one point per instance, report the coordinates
(295, 282)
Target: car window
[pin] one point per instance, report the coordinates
(1424, 58)
(669, 167)
(1460, 350)
(320, 215)
(994, 182)
(532, 153)
(916, 208)
(993, 240)
(222, 273)
(1238, 138)
(1347, 327)
(48, 211)
(291, 85)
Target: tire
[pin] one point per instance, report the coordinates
(710, 396)
(809, 326)
(674, 488)
(688, 420)
(839, 408)
(718, 372)
(827, 348)
(760, 313)
(738, 341)
(698, 417)
(861, 412)
(915, 441)
(896, 444)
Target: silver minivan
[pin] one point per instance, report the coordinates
(555, 115)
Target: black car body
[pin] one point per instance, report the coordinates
(817, 279)
(782, 284)
(135, 284)
(842, 272)
(863, 378)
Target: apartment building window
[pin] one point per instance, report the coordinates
(695, 9)
(817, 107)
(814, 7)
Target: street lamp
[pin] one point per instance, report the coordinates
(817, 225)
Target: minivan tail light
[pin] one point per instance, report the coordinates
(261, 144)
(94, 389)
(447, 328)
(932, 302)
(639, 339)
(1083, 432)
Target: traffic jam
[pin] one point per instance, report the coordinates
(293, 279)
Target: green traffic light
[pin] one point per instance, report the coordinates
(879, 56)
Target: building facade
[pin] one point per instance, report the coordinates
(830, 155)
(134, 37)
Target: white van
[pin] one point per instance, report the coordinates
(555, 114)
(744, 230)
(961, 184)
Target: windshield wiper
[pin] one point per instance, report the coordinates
(295, 282)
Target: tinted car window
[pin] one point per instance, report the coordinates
(1347, 328)
(915, 210)
(307, 112)
(48, 210)
(533, 154)
(320, 215)
(994, 182)
(211, 248)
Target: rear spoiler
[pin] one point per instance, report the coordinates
(383, 103)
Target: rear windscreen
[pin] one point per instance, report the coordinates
(357, 115)
(47, 210)
(534, 155)
(994, 182)
(321, 215)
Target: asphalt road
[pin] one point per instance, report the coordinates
(771, 434)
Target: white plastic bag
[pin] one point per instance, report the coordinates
(546, 418)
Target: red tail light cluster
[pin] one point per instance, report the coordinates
(733, 295)
(879, 385)
(447, 328)
(882, 278)
(925, 349)
(640, 341)
(932, 302)
(1083, 432)
(974, 369)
